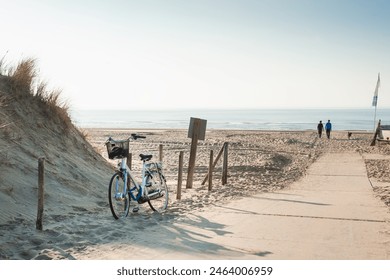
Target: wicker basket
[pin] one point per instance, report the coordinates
(117, 149)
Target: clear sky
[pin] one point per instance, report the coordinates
(166, 54)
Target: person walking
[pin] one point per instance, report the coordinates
(328, 129)
(320, 128)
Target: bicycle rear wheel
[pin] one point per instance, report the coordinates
(158, 191)
(118, 196)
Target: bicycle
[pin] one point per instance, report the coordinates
(124, 189)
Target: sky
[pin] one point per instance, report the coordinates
(187, 54)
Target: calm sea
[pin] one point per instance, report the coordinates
(253, 119)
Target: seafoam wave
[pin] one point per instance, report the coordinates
(288, 119)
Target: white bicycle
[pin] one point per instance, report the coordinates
(124, 192)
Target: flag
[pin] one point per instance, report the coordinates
(375, 99)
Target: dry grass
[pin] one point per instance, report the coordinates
(84, 134)
(55, 106)
(23, 76)
(3, 66)
(3, 103)
(24, 82)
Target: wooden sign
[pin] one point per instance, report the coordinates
(196, 131)
(197, 127)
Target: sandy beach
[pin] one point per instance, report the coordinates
(262, 75)
(258, 161)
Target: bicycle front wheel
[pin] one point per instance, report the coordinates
(118, 196)
(157, 191)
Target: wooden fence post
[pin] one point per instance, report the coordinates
(194, 146)
(180, 176)
(215, 163)
(196, 131)
(160, 149)
(211, 170)
(129, 159)
(225, 164)
(41, 192)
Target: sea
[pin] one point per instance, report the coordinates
(234, 119)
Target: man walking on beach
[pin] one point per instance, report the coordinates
(328, 129)
(320, 127)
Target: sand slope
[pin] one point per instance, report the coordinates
(73, 169)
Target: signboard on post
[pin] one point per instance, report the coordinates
(197, 126)
(196, 131)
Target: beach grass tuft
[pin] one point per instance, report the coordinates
(25, 82)
(22, 77)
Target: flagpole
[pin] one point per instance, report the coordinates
(375, 99)
(375, 119)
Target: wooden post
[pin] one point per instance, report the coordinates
(41, 192)
(196, 131)
(160, 149)
(225, 164)
(194, 146)
(180, 176)
(214, 164)
(129, 159)
(211, 170)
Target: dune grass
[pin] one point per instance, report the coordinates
(22, 77)
(24, 81)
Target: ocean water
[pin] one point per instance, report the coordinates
(253, 119)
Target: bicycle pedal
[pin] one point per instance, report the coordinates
(135, 209)
(142, 200)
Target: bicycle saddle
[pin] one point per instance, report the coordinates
(146, 157)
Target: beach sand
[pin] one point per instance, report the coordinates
(258, 161)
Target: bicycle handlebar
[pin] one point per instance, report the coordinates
(136, 136)
(133, 136)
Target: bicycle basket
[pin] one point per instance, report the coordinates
(117, 149)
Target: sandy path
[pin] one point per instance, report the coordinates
(331, 213)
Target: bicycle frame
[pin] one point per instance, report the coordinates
(140, 187)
